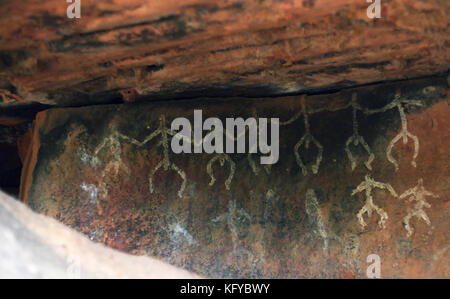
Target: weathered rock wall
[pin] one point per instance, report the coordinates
(35, 246)
(312, 214)
(166, 49)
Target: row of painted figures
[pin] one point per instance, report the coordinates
(417, 194)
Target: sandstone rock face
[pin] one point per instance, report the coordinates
(34, 246)
(346, 185)
(168, 49)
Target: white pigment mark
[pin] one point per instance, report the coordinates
(165, 162)
(93, 161)
(417, 194)
(404, 134)
(369, 207)
(306, 139)
(221, 158)
(315, 217)
(235, 220)
(92, 190)
(357, 139)
(271, 199)
(177, 231)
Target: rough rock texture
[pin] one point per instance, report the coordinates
(166, 49)
(11, 131)
(90, 168)
(35, 246)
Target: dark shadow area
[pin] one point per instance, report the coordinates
(11, 158)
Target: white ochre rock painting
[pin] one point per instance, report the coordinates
(165, 162)
(236, 221)
(316, 219)
(306, 139)
(369, 207)
(357, 139)
(416, 194)
(113, 143)
(404, 133)
(222, 158)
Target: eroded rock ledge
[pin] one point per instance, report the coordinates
(169, 49)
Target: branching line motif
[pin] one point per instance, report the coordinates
(369, 207)
(306, 139)
(356, 138)
(417, 194)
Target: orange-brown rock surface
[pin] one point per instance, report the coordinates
(364, 137)
(90, 168)
(35, 246)
(167, 49)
